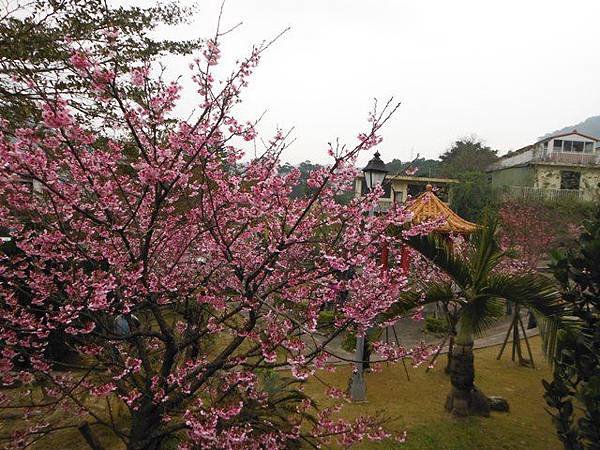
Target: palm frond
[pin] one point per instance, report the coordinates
(486, 252)
(541, 295)
(434, 292)
(437, 291)
(408, 300)
(438, 251)
(551, 330)
(534, 291)
(478, 315)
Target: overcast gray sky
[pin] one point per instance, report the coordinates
(507, 71)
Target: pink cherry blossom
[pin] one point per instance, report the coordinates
(80, 61)
(180, 270)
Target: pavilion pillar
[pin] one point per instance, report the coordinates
(404, 259)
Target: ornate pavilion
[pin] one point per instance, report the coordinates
(428, 207)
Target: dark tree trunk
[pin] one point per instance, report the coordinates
(450, 351)
(144, 422)
(465, 399)
(451, 318)
(89, 437)
(367, 354)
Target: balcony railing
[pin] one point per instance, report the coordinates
(585, 159)
(532, 193)
(580, 159)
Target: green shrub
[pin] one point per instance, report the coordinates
(325, 320)
(349, 341)
(436, 325)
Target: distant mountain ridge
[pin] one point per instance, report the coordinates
(590, 126)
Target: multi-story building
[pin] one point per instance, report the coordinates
(398, 188)
(565, 165)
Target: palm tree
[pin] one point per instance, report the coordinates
(478, 292)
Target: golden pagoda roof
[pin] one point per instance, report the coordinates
(428, 207)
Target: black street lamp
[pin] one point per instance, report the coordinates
(375, 173)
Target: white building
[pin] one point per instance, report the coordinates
(562, 165)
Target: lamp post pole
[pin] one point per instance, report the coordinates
(375, 172)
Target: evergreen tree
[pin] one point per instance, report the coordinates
(38, 37)
(576, 380)
(424, 167)
(467, 154)
(472, 196)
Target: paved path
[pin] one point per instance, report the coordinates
(497, 339)
(410, 333)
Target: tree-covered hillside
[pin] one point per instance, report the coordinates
(590, 126)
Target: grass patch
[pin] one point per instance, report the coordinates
(417, 405)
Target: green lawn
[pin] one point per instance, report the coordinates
(417, 405)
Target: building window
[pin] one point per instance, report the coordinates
(578, 146)
(570, 179)
(573, 146)
(557, 145)
(387, 189)
(415, 189)
(398, 196)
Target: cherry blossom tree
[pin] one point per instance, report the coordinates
(532, 229)
(176, 268)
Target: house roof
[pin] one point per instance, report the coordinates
(400, 177)
(421, 179)
(594, 138)
(494, 168)
(516, 152)
(428, 207)
(529, 147)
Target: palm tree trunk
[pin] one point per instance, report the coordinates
(464, 398)
(451, 318)
(450, 352)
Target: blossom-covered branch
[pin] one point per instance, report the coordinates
(174, 269)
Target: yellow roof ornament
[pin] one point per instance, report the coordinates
(428, 207)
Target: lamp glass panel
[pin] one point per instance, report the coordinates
(378, 178)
